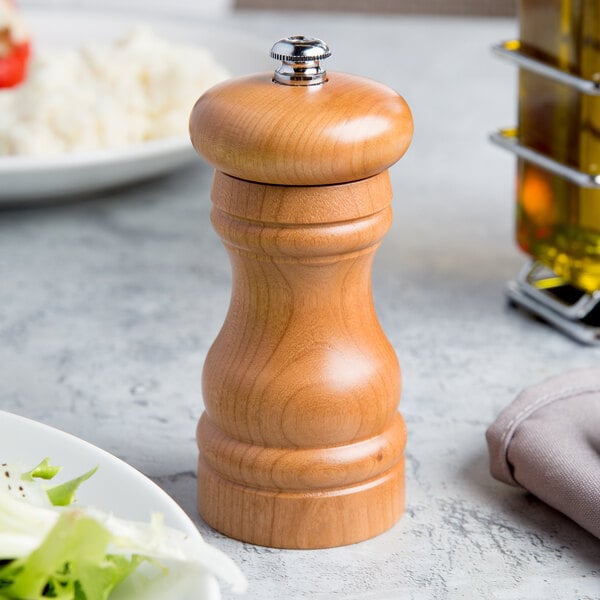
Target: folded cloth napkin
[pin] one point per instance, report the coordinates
(548, 442)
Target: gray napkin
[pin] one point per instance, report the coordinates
(548, 442)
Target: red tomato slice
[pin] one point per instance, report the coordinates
(13, 67)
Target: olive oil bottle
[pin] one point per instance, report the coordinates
(558, 222)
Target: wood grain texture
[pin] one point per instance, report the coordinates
(301, 444)
(301, 386)
(254, 129)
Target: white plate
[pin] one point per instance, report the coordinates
(25, 179)
(116, 487)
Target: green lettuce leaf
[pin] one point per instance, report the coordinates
(71, 564)
(64, 494)
(43, 471)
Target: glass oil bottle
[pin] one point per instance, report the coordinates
(557, 142)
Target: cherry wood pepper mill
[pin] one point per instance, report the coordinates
(301, 444)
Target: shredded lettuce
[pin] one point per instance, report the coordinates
(71, 562)
(64, 494)
(56, 549)
(43, 471)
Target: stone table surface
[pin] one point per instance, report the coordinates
(109, 305)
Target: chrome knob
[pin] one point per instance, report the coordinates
(300, 56)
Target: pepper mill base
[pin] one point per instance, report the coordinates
(317, 516)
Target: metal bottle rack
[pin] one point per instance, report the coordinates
(537, 288)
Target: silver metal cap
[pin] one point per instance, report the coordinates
(300, 56)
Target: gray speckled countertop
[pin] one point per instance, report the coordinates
(109, 306)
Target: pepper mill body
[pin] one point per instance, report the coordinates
(301, 444)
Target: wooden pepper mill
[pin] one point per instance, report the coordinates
(301, 444)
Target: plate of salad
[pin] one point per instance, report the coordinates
(76, 523)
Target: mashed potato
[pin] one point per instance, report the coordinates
(105, 96)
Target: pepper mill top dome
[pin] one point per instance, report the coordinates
(301, 126)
